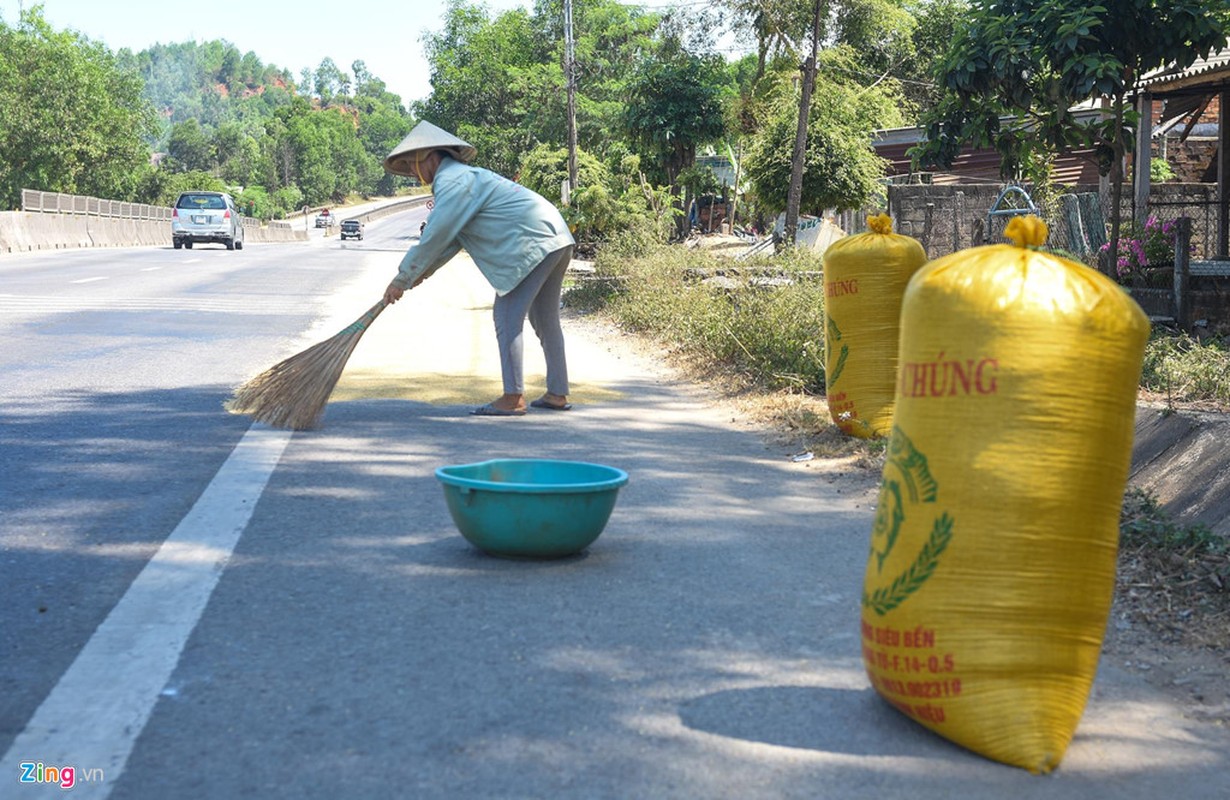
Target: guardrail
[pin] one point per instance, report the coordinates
(59, 203)
(394, 208)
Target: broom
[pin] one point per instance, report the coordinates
(293, 393)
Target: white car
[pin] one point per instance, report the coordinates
(206, 217)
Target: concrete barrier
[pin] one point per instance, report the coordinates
(274, 232)
(13, 236)
(394, 208)
(22, 231)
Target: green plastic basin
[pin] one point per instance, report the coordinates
(531, 508)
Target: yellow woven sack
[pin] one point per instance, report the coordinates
(992, 562)
(864, 278)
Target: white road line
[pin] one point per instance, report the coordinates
(151, 269)
(97, 710)
(91, 280)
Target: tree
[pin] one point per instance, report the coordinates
(673, 108)
(1017, 69)
(936, 24)
(238, 154)
(606, 204)
(840, 168)
(776, 25)
(329, 81)
(879, 31)
(610, 38)
(800, 135)
(190, 148)
(499, 82)
(488, 81)
(73, 120)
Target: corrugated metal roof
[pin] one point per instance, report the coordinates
(982, 165)
(1208, 69)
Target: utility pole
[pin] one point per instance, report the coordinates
(795, 195)
(571, 78)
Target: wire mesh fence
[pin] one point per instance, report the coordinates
(1202, 213)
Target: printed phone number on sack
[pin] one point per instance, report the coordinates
(929, 690)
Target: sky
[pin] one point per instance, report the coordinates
(384, 34)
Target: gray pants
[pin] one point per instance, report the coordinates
(537, 296)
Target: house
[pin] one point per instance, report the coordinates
(1188, 97)
(973, 165)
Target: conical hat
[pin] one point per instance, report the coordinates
(426, 136)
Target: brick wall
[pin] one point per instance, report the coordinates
(1193, 161)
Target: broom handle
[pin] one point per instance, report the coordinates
(361, 324)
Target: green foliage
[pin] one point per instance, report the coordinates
(609, 37)
(1036, 61)
(209, 82)
(771, 331)
(256, 202)
(238, 154)
(1184, 369)
(673, 108)
(492, 83)
(73, 119)
(936, 24)
(603, 204)
(244, 121)
(841, 170)
(1160, 170)
(1144, 524)
(189, 148)
(79, 119)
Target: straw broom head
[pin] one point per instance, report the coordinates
(292, 393)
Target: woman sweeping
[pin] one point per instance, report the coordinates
(517, 239)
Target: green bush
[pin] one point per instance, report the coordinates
(763, 319)
(1185, 369)
(1143, 523)
(605, 204)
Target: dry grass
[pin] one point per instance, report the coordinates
(1174, 578)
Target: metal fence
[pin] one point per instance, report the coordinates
(58, 203)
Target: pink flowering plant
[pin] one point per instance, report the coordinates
(1145, 251)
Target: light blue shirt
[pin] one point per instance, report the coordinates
(506, 228)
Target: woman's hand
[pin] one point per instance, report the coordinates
(393, 293)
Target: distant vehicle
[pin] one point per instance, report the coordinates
(324, 219)
(204, 217)
(352, 229)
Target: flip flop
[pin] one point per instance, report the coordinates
(540, 403)
(491, 411)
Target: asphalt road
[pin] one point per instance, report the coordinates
(304, 620)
